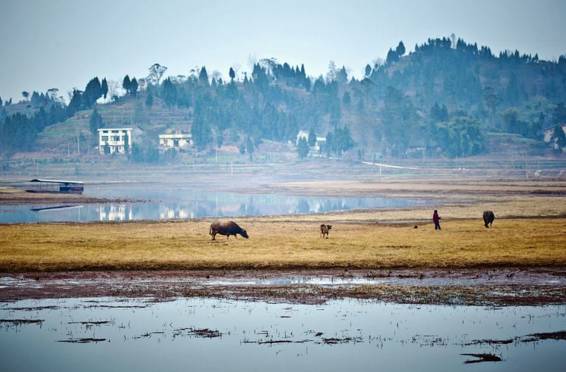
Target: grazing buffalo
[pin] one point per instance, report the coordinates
(227, 228)
(324, 229)
(488, 218)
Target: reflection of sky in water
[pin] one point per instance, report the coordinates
(168, 202)
(388, 337)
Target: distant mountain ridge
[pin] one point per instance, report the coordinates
(445, 98)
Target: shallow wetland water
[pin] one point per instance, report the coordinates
(176, 201)
(198, 334)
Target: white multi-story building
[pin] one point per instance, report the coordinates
(177, 141)
(115, 140)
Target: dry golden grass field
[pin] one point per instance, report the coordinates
(282, 245)
(529, 231)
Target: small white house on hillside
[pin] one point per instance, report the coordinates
(176, 141)
(548, 136)
(114, 140)
(318, 145)
(302, 134)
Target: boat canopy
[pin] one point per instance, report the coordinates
(57, 181)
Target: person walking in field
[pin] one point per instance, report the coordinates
(436, 219)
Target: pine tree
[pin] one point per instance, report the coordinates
(169, 92)
(37, 99)
(133, 87)
(232, 74)
(149, 100)
(203, 76)
(558, 138)
(400, 50)
(303, 148)
(126, 83)
(93, 91)
(392, 57)
(104, 88)
(250, 147)
(559, 114)
(305, 82)
(312, 138)
(200, 130)
(95, 122)
(367, 73)
(76, 102)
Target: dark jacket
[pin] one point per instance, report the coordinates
(435, 217)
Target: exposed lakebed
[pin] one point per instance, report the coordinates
(142, 334)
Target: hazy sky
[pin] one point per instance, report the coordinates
(62, 44)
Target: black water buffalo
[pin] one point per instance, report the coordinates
(324, 229)
(488, 218)
(226, 228)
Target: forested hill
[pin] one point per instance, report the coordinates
(446, 98)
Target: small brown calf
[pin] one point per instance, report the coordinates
(324, 229)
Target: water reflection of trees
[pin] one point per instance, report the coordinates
(249, 209)
(218, 206)
(169, 212)
(303, 206)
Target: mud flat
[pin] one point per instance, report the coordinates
(9, 195)
(494, 287)
(451, 187)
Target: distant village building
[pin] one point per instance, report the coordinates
(115, 140)
(176, 141)
(318, 145)
(548, 137)
(302, 134)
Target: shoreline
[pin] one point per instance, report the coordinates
(451, 188)
(472, 287)
(14, 196)
(390, 255)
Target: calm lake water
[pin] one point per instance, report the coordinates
(221, 335)
(164, 201)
